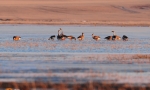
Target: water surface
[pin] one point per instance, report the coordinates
(35, 57)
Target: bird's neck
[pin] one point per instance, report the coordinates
(114, 33)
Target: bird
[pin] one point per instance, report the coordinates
(71, 37)
(51, 37)
(108, 38)
(95, 37)
(81, 37)
(60, 36)
(16, 38)
(124, 38)
(115, 37)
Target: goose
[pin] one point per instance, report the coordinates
(115, 37)
(95, 37)
(124, 38)
(71, 37)
(16, 38)
(60, 37)
(62, 34)
(108, 38)
(81, 37)
(51, 37)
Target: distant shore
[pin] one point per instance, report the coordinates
(96, 23)
(76, 12)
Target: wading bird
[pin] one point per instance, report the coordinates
(60, 36)
(16, 38)
(124, 38)
(81, 37)
(115, 37)
(95, 37)
(71, 37)
(51, 37)
(108, 38)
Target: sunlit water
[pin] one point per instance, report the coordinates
(35, 57)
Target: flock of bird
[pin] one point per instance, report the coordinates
(61, 36)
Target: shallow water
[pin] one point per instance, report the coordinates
(35, 57)
(35, 39)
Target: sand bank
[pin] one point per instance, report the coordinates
(76, 12)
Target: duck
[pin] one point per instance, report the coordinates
(60, 36)
(124, 38)
(16, 38)
(108, 38)
(115, 37)
(51, 37)
(71, 37)
(81, 37)
(95, 37)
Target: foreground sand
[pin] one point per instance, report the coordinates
(81, 12)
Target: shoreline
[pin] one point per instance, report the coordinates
(97, 23)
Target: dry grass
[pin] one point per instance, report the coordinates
(63, 86)
(141, 56)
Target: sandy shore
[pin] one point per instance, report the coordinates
(76, 12)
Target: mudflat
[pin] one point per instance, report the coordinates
(72, 12)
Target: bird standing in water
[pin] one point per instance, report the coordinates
(81, 37)
(16, 38)
(95, 37)
(124, 38)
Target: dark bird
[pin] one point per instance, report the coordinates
(16, 38)
(124, 38)
(58, 36)
(51, 37)
(108, 38)
(95, 37)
